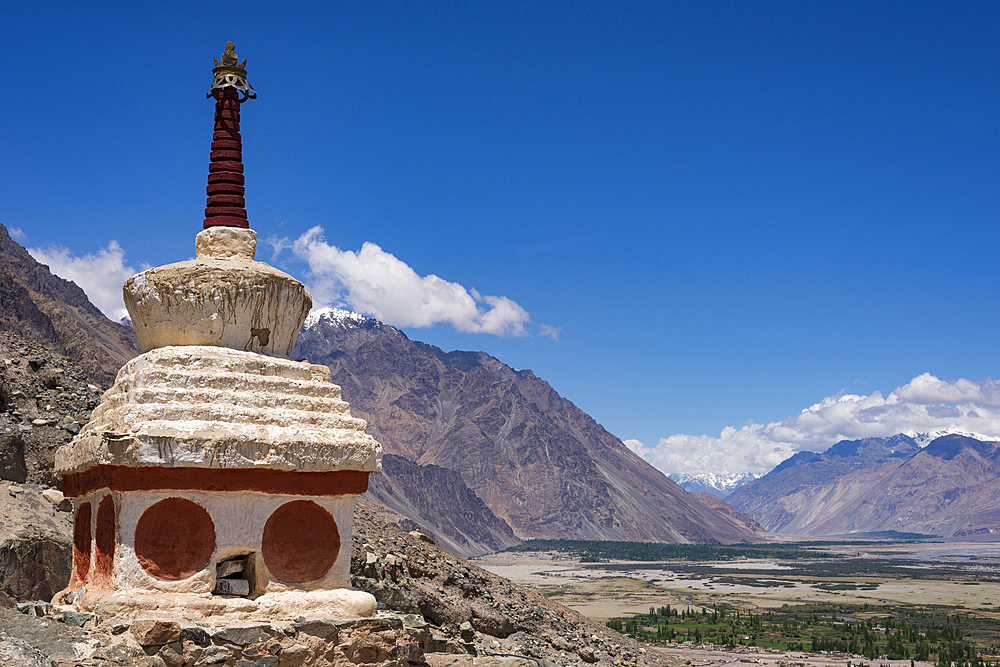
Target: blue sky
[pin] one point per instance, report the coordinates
(729, 211)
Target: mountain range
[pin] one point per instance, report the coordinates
(482, 456)
(947, 488)
(478, 454)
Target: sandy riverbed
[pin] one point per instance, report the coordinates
(603, 593)
(712, 656)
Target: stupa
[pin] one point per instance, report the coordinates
(218, 476)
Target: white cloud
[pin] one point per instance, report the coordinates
(17, 234)
(377, 283)
(637, 447)
(927, 390)
(926, 404)
(550, 331)
(100, 275)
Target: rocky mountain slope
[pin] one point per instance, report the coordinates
(793, 485)
(42, 307)
(715, 502)
(45, 398)
(948, 488)
(537, 461)
(719, 485)
(408, 575)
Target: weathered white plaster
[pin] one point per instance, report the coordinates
(212, 390)
(203, 406)
(233, 242)
(228, 301)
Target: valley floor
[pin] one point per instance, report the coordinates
(942, 577)
(602, 591)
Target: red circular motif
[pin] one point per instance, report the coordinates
(104, 540)
(174, 539)
(300, 542)
(81, 542)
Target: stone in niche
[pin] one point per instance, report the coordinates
(240, 587)
(233, 576)
(228, 568)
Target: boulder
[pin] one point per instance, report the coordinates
(12, 463)
(155, 632)
(35, 545)
(416, 534)
(58, 500)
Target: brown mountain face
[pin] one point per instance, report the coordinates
(715, 502)
(42, 307)
(949, 488)
(537, 461)
(440, 505)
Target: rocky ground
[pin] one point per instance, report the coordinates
(471, 610)
(45, 399)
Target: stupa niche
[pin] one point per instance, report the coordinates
(218, 476)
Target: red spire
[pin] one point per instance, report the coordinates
(226, 206)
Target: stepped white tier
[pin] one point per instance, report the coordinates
(215, 407)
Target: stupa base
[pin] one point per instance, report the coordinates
(338, 604)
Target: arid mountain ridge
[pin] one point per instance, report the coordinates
(538, 462)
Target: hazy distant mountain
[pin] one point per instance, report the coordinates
(791, 488)
(951, 487)
(537, 461)
(719, 485)
(44, 308)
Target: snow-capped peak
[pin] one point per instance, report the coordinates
(924, 439)
(720, 484)
(331, 315)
